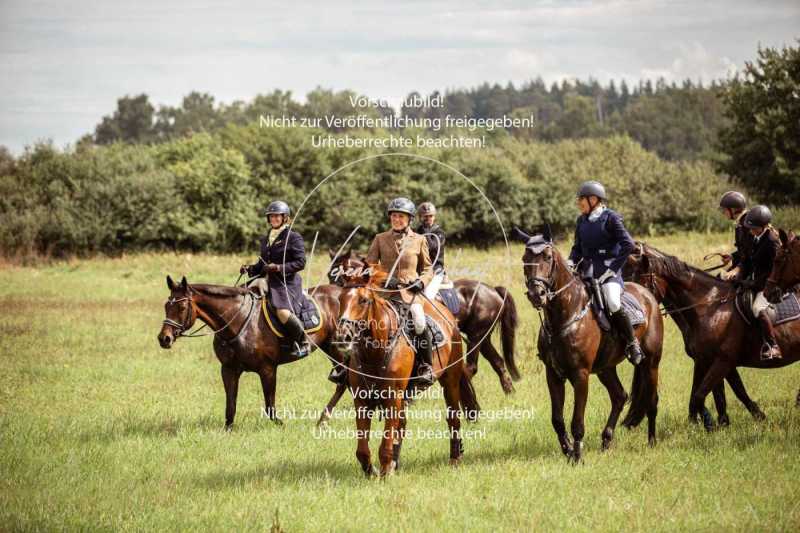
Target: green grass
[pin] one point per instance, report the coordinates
(102, 429)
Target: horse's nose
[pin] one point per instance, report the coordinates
(165, 340)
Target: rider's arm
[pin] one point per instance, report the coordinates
(257, 268)
(424, 266)
(616, 228)
(575, 254)
(374, 253)
(295, 254)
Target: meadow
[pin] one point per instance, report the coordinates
(101, 429)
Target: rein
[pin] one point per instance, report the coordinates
(180, 328)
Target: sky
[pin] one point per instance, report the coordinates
(63, 64)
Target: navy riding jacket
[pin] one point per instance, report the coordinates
(603, 244)
(285, 286)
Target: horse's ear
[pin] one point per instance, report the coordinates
(170, 283)
(184, 283)
(520, 235)
(784, 237)
(547, 233)
(331, 253)
(645, 261)
(792, 236)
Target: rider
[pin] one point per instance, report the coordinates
(755, 272)
(404, 254)
(434, 234)
(282, 257)
(734, 206)
(602, 245)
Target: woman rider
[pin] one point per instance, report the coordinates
(734, 207)
(404, 255)
(602, 245)
(754, 273)
(434, 234)
(282, 257)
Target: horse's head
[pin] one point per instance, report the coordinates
(786, 269)
(640, 269)
(356, 304)
(541, 263)
(348, 268)
(180, 312)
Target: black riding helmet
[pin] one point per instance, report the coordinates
(733, 200)
(592, 188)
(278, 207)
(758, 217)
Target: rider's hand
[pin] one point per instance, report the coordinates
(608, 274)
(392, 284)
(416, 287)
(571, 265)
(243, 269)
(272, 267)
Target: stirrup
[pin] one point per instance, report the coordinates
(770, 351)
(426, 377)
(299, 350)
(338, 375)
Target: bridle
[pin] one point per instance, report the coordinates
(546, 284)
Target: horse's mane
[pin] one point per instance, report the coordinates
(377, 277)
(674, 267)
(218, 290)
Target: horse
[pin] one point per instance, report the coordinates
(481, 308)
(720, 337)
(690, 328)
(572, 345)
(785, 273)
(243, 341)
(381, 365)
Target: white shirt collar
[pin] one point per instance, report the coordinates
(596, 212)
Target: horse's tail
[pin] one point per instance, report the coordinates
(509, 319)
(469, 400)
(640, 395)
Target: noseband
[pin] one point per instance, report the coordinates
(180, 328)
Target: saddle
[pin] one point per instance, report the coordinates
(787, 310)
(450, 298)
(310, 315)
(630, 305)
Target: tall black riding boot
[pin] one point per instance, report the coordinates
(770, 350)
(425, 352)
(622, 323)
(298, 337)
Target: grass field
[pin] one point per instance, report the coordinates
(102, 429)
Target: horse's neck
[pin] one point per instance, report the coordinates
(570, 300)
(684, 294)
(216, 310)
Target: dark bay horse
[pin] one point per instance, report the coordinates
(691, 320)
(243, 341)
(481, 309)
(381, 367)
(785, 273)
(719, 333)
(573, 346)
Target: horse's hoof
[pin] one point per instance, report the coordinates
(758, 414)
(323, 420)
(508, 386)
(228, 428)
(606, 445)
(723, 421)
(652, 442)
(371, 472)
(277, 421)
(455, 461)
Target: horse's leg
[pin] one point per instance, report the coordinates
(580, 384)
(391, 431)
(473, 347)
(737, 385)
(618, 397)
(698, 372)
(326, 413)
(652, 410)
(797, 400)
(363, 424)
(715, 375)
(452, 397)
(398, 443)
(269, 377)
(230, 379)
(555, 385)
(490, 353)
(721, 404)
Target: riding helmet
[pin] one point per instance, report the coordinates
(402, 205)
(733, 200)
(278, 207)
(758, 217)
(592, 188)
(427, 208)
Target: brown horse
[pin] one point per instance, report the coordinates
(243, 341)
(690, 329)
(573, 346)
(381, 365)
(785, 273)
(721, 340)
(481, 308)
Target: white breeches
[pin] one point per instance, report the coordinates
(433, 287)
(760, 303)
(612, 292)
(417, 317)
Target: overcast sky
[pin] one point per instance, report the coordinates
(63, 64)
